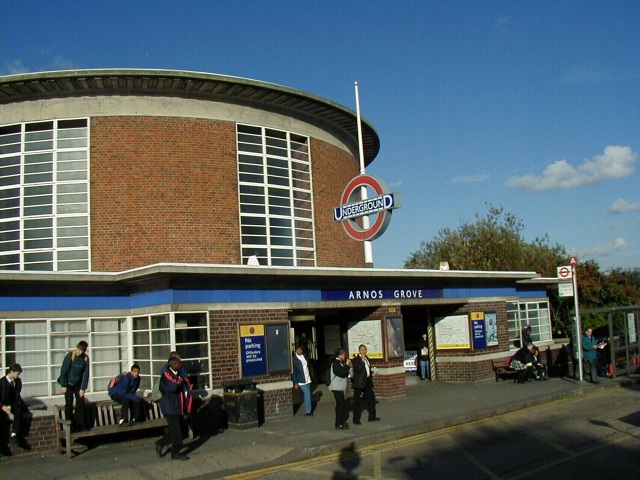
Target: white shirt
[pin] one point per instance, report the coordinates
(305, 369)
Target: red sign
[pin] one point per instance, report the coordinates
(351, 208)
(573, 261)
(564, 273)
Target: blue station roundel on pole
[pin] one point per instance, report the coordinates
(353, 207)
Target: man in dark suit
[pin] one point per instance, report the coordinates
(363, 386)
(14, 406)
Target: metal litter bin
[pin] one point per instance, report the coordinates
(241, 403)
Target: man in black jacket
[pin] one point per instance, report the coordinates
(363, 386)
(14, 406)
(175, 404)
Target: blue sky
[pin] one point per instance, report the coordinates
(533, 106)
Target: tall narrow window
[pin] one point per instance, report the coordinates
(44, 196)
(275, 192)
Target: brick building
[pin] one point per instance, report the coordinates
(131, 204)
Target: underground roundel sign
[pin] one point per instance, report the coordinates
(377, 207)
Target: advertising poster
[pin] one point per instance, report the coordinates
(395, 338)
(491, 327)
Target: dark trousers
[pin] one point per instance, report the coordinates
(367, 394)
(130, 409)
(79, 419)
(524, 375)
(21, 419)
(342, 414)
(593, 369)
(173, 434)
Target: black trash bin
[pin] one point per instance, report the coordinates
(241, 403)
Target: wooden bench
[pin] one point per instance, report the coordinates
(103, 417)
(502, 371)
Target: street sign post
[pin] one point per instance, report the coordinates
(565, 285)
(577, 336)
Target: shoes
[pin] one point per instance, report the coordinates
(5, 451)
(310, 414)
(374, 419)
(20, 442)
(344, 426)
(179, 456)
(357, 423)
(159, 449)
(123, 422)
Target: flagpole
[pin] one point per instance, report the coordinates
(368, 247)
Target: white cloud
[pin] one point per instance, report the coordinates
(470, 178)
(502, 23)
(60, 63)
(618, 245)
(580, 75)
(15, 67)
(622, 206)
(395, 184)
(616, 162)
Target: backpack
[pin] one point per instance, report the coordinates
(328, 374)
(114, 381)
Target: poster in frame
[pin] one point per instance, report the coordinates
(394, 335)
(366, 332)
(491, 328)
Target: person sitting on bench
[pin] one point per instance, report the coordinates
(523, 362)
(124, 392)
(14, 409)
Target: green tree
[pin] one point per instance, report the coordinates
(596, 289)
(495, 243)
(491, 243)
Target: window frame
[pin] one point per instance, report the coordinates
(45, 190)
(275, 196)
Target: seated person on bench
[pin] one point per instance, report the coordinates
(124, 392)
(523, 362)
(539, 367)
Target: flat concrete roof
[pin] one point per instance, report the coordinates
(171, 269)
(196, 85)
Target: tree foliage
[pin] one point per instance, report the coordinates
(495, 243)
(490, 243)
(618, 287)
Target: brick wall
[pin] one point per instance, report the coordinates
(333, 168)
(42, 435)
(278, 404)
(481, 370)
(164, 189)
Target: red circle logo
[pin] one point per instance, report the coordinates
(353, 206)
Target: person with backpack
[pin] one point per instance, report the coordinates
(122, 389)
(338, 383)
(74, 380)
